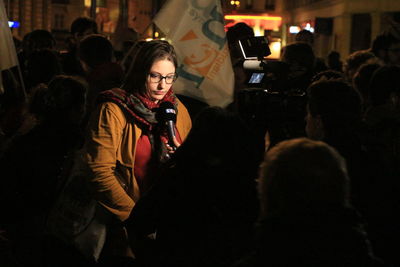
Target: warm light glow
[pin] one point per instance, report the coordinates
(232, 2)
(258, 31)
(149, 39)
(156, 34)
(275, 48)
(237, 3)
(238, 17)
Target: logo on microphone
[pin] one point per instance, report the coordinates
(170, 110)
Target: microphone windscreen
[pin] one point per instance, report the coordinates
(167, 112)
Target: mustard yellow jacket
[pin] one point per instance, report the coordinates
(110, 155)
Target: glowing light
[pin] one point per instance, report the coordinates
(13, 24)
(232, 2)
(148, 39)
(275, 48)
(238, 17)
(294, 29)
(308, 27)
(237, 3)
(156, 34)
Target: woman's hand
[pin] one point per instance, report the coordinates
(171, 149)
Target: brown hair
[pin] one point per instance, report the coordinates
(301, 173)
(148, 54)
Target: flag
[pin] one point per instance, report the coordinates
(196, 30)
(8, 55)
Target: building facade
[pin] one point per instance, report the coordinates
(57, 15)
(342, 25)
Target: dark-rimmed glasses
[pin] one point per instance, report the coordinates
(157, 78)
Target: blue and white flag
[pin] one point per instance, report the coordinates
(196, 30)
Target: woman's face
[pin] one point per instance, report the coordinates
(161, 69)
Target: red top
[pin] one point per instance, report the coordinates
(143, 156)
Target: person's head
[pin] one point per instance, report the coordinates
(41, 67)
(333, 108)
(305, 36)
(393, 52)
(153, 71)
(83, 26)
(62, 101)
(301, 174)
(95, 50)
(328, 75)
(355, 60)
(380, 46)
(334, 61)
(38, 40)
(385, 86)
(128, 62)
(299, 54)
(362, 80)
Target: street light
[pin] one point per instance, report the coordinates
(235, 4)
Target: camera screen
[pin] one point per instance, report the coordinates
(256, 77)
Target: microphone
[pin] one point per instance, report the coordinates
(167, 116)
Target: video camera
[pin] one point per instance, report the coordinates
(271, 100)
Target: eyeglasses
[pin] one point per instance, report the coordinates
(157, 78)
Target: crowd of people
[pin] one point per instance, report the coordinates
(104, 165)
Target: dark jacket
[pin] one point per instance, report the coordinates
(318, 237)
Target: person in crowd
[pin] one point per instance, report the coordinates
(355, 60)
(32, 165)
(41, 67)
(130, 52)
(334, 116)
(80, 27)
(306, 217)
(301, 60)
(34, 41)
(308, 37)
(96, 55)
(12, 108)
(127, 142)
(382, 118)
(379, 47)
(362, 80)
(204, 202)
(389, 51)
(235, 33)
(334, 62)
(328, 75)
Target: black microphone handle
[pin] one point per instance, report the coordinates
(171, 132)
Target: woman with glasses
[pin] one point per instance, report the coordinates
(126, 143)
